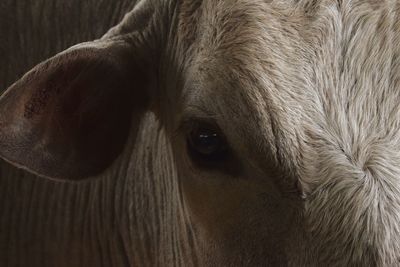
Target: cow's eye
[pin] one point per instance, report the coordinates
(207, 143)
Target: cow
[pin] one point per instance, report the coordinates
(210, 133)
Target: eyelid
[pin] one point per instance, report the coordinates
(187, 124)
(198, 113)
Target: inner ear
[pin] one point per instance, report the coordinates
(69, 117)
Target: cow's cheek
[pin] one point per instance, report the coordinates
(226, 208)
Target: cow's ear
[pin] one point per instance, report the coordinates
(70, 116)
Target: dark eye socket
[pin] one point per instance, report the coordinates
(207, 143)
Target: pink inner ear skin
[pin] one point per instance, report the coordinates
(69, 118)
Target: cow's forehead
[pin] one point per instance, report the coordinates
(290, 71)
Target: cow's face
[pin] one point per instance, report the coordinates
(282, 117)
(287, 130)
(234, 136)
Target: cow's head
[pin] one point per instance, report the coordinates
(282, 116)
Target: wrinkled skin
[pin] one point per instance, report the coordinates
(305, 94)
(45, 223)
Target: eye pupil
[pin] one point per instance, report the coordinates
(207, 144)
